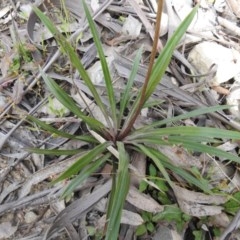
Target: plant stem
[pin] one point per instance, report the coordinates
(128, 128)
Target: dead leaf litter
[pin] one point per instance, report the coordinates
(204, 71)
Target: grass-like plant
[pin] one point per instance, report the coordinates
(119, 139)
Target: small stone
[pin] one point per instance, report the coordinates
(3, 101)
(132, 27)
(30, 217)
(227, 61)
(234, 99)
(55, 109)
(26, 9)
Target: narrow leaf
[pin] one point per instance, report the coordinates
(57, 152)
(164, 58)
(157, 73)
(194, 113)
(84, 174)
(60, 133)
(188, 131)
(126, 94)
(74, 58)
(105, 69)
(82, 162)
(190, 145)
(210, 150)
(69, 103)
(148, 152)
(122, 187)
(181, 172)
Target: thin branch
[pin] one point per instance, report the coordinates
(128, 128)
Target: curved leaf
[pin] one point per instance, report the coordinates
(105, 69)
(74, 58)
(183, 131)
(126, 94)
(118, 195)
(84, 174)
(68, 102)
(164, 58)
(190, 145)
(148, 152)
(158, 156)
(57, 152)
(82, 162)
(194, 113)
(60, 133)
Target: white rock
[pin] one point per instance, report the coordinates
(227, 60)
(5, 10)
(132, 27)
(3, 101)
(95, 5)
(237, 77)
(26, 9)
(55, 109)
(220, 5)
(95, 71)
(234, 99)
(131, 218)
(30, 217)
(164, 24)
(144, 112)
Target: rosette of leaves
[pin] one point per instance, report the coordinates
(115, 142)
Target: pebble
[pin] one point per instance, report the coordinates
(30, 217)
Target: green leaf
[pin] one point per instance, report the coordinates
(82, 162)
(163, 198)
(159, 68)
(164, 136)
(57, 152)
(194, 113)
(91, 230)
(150, 227)
(146, 216)
(164, 58)
(84, 174)
(153, 103)
(105, 69)
(200, 183)
(232, 206)
(198, 234)
(143, 186)
(148, 152)
(141, 230)
(199, 133)
(207, 149)
(217, 232)
(162, 185)
(170, 213)
(132, 112)
(120, 192)
(194, 132)
(165, 162)
(152, 170)
(168, 140)
(60, 133)
(68, 102)
(126, 94)
(74, 59)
